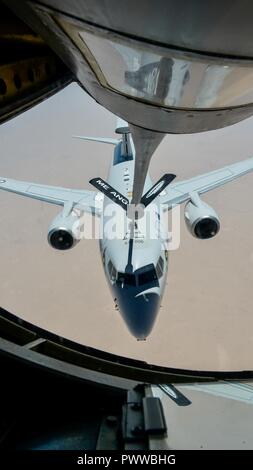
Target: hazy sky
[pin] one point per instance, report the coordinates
(206, 321)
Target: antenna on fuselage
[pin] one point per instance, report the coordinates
(122, 128)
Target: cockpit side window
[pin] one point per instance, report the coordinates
(112, 271)
(160, 267)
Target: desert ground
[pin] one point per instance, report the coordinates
(206, 319)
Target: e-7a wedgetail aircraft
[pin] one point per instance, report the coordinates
(136, 265)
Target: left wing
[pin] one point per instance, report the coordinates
(181, 191)
(82, 199)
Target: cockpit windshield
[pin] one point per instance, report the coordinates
(147, 275)
(140, 277)
(125, 278)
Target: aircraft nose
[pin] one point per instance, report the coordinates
(140, 314)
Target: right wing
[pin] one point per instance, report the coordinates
(86, 201)
(180, 192)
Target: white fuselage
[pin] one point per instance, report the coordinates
(135, 262)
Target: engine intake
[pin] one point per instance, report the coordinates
(201, 220)
(61, 239)
(63, 232)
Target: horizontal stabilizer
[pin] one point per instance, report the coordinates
(158, 187)
(104, 140)
(110, 192)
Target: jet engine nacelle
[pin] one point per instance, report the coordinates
(201, 220)
(63, 232)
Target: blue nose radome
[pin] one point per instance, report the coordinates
(140, 314)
